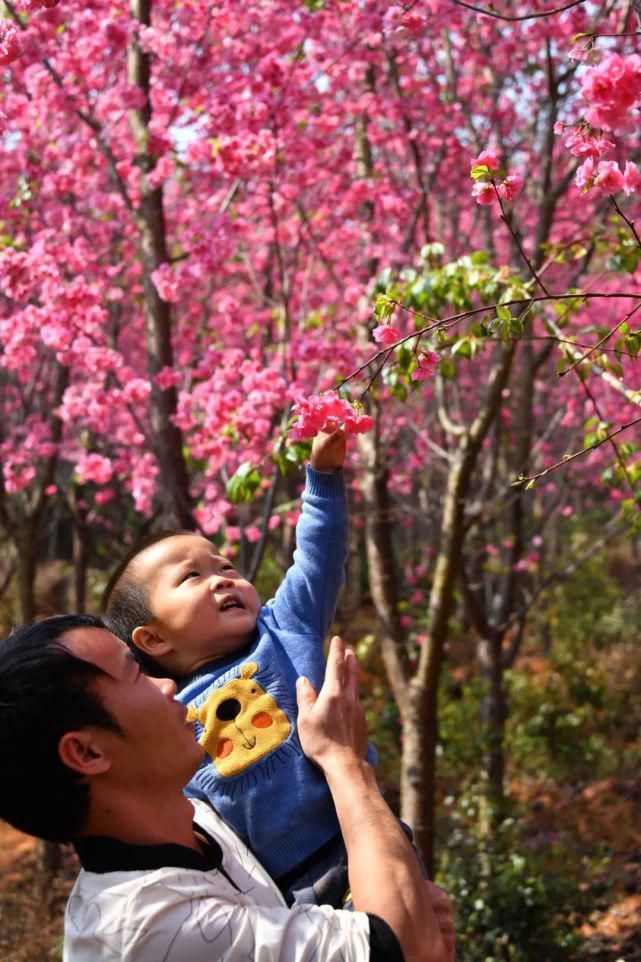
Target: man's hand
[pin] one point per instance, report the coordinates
(331, 725)
(442, 908)
(328, 451)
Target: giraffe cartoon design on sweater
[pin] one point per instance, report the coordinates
(241, 723)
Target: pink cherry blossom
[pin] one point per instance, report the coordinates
(427, 364)
(166, 283)
(611, 89)
(631, 178)
(585, 174)
(94, 467)
(583, 142)
(487, 158)
(168, 377)
(608, 177)
(484, 192)
(511, 187)
(327, 412)
(386, 335)
(10, 44)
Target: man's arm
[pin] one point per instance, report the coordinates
(384, 874)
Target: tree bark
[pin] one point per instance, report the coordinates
(167, 438)
(493, 718)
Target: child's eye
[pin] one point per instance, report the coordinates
(227, 567)
(190, 574)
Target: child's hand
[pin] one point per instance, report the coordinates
(328, 451)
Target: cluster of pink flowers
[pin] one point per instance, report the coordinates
(94, 467)
(327, 412)
(608, 177)
(582, 141)
(611, 90)
(427, 364)
(10, 45)
(386, 335)
(604, 175)
(496, 182)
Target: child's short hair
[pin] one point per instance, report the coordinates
(125, 601)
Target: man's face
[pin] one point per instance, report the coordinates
(155, 747)
(202, 606)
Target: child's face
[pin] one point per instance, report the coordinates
(202, 606)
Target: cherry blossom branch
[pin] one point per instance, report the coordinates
(598, 36)
(606, 337)
(566, 340)
(617, 454)
(531, 479)
(86, 118)
(525, 16)
(451, 320)
(632, 397)
(627, 220)
(376, 372)
(517, 241)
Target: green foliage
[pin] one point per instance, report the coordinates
(269, 576)
(512, 903)
(459, 708)
(560, 723)
(435, 290)
(566, 719)
(244, 484)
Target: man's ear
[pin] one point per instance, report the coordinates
(150, 643)
(81, 752)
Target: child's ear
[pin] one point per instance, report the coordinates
(149, 642)
(82, 752)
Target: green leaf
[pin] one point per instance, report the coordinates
(243, 485)
(404, 358)
(633, 343)
(480, 172)
(463, 347)
(384, 307)
(447, 367)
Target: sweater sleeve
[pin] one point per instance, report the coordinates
(305, 602)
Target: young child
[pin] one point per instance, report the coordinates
(187, 612)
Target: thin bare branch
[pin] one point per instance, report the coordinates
(577, 454)
(525, 16)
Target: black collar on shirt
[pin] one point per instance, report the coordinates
(98, 853)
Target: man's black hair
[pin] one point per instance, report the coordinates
(45, 691)
(125, 602)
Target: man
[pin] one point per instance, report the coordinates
(93, 751)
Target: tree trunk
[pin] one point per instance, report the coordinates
(26, 568)
(493, 718)
(167, 438)
(81, 553)
(419, 712)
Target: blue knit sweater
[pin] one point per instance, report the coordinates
(255, 773)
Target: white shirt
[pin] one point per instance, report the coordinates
(174, 914)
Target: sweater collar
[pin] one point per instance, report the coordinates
(100, 854)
